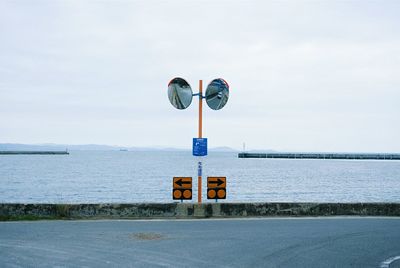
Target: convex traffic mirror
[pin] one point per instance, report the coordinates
(180, 93)
(217, 94)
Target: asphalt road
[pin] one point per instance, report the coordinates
(277, 242)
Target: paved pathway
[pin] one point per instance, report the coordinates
(277, 242)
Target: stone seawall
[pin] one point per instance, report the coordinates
(350, 156)
(190, 210)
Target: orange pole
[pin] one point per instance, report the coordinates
(199, 189)
(201, 109)
(200, 134)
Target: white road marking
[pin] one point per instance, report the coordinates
(386, 263)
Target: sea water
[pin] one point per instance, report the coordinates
(126, 177)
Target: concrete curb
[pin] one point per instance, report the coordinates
(190, 210)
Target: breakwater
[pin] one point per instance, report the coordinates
(357, 156)
(190, 210)
(33, 152)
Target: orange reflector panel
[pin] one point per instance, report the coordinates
(182, 194)
(211, 194)
(177, 194)
(221, 193)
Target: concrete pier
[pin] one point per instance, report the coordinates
(355, 156)
(193, 210)
(33, 152)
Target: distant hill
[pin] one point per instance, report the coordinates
(261, 151)
(30, 147)
(223, 149)
(93, 147)
(69, 147)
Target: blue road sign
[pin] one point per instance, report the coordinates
(199, 147)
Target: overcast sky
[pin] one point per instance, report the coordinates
(303, 75)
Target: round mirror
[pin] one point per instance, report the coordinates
(217, 94)
(180, 93)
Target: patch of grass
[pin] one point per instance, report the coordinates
(62, 210)
(147, 236)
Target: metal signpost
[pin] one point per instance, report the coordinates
(180, 95)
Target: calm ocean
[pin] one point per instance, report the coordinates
(124, 177)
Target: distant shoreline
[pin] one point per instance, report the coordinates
(33, 152)
(95, 147)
